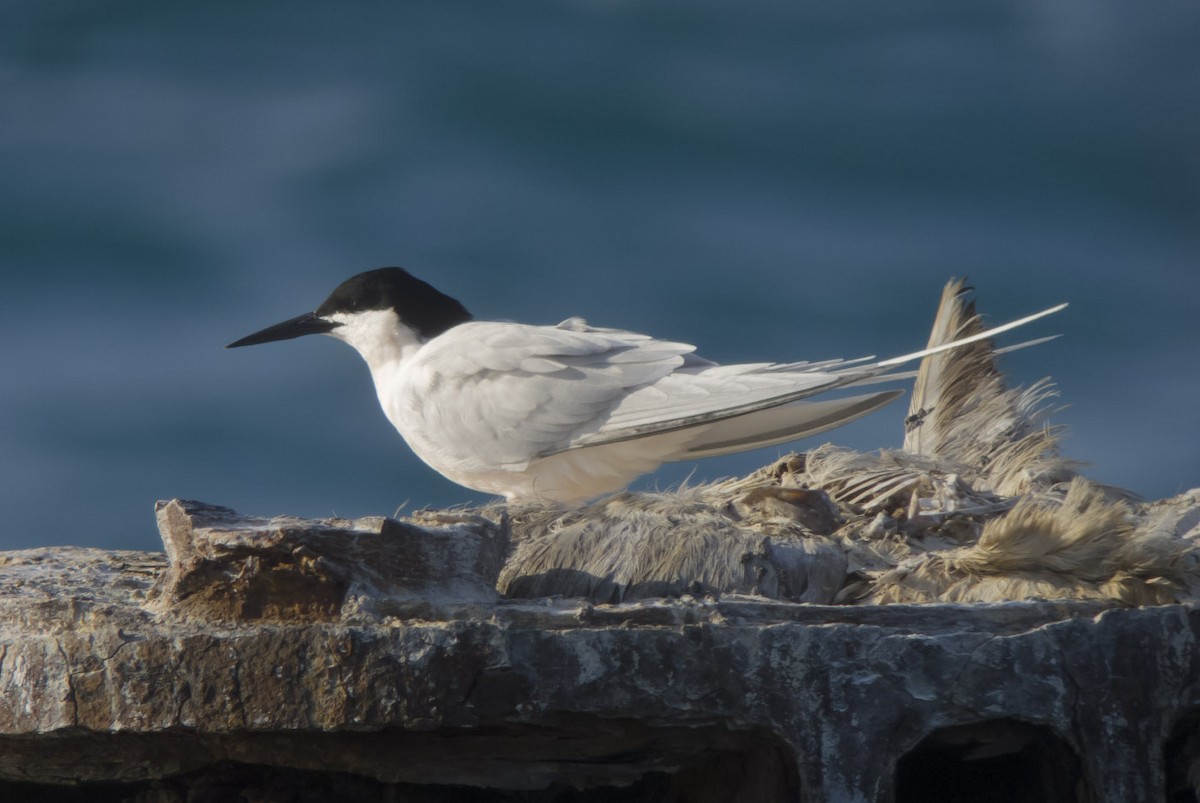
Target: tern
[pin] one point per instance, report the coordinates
(570, 412)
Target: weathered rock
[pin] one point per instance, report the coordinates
(229, 567)
(143, 681)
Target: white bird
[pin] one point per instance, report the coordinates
(569, 412)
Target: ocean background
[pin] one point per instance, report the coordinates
(770, 181)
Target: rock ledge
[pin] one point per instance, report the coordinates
(373, 660)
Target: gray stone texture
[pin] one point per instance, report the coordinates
(283, 659)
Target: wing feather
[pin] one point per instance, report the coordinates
(782, 424)
(482, 381)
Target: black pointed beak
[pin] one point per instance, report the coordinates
(306, 324)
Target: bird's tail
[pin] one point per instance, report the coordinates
(871, 372)
(799, 418)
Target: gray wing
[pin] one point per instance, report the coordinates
(741, 395)
(782, 424)
(510, 392)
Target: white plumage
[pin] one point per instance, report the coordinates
(566, 413)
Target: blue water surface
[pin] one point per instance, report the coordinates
(771, 181)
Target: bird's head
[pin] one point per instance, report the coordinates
(372, 311)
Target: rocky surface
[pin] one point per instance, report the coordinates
(222, 566)
(376, 662)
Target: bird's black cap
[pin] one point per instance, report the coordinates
(428, 311)
(420, 305)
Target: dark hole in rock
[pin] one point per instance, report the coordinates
(571, 760)
(995, 761)
(1182, 760)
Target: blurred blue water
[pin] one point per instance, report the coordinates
(771, 182)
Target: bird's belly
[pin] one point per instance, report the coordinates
(569, 477)
(452, 430)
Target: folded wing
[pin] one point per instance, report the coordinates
(513, 393)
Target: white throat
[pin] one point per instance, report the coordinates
(379, 337)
